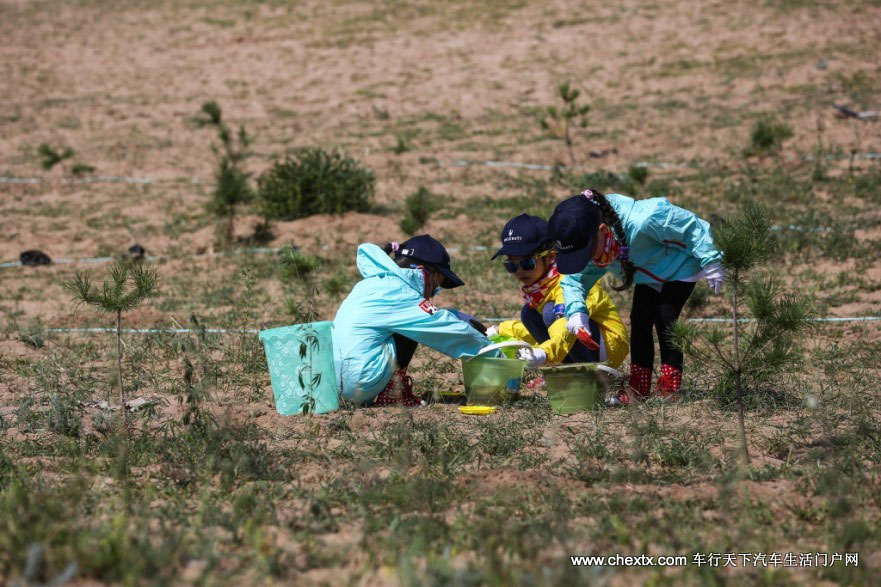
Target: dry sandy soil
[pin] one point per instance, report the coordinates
(673, 83)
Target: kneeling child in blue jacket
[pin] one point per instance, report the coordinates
(389, 313)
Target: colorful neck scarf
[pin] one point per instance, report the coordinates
(534, 294)
(611, 249)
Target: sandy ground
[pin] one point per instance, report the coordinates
(119, 85)
(673, 82)
(668, 82)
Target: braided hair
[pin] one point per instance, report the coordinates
(610, 217)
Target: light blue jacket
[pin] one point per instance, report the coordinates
(390, 300)
(667, 243)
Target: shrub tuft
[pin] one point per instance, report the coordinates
(313, 181)
(767, 138)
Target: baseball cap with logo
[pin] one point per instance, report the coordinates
(574, 225)
(523, 236)
(428, 250)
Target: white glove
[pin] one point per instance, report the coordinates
(715, 275)
(577, 322)
(492, 331)
(534, 357)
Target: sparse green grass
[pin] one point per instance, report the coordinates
(215, 488)
(456, 485)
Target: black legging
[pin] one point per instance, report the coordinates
(404, 348)
(654, 309)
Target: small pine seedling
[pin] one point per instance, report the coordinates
(295, 264)
(638, 174)
(314, 181)
(233, 187)
(50, 157)
(82, 169)
(419, 206)
(762, 349)
(767, 138)
(402, 145)
(130, 283)
(562, 119)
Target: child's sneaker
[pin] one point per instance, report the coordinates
(669, 383)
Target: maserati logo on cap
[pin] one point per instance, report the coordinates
(511, 236)
(563, 247)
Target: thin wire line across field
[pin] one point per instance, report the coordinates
(255, 331)
(454, 162)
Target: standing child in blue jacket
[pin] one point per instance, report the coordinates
(388, 313)
(660, 247)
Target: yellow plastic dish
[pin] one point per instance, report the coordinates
(477, 410)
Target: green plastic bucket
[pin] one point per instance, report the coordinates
(510, 352)
(490, 381)
(300, 359)
(575, 387)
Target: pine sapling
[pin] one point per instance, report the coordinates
(51, 157)
(233, 186)
(761, 347)
(566, 117)
(418, 207)
(129, 284)
(767, 138)
(295, 264)
(314, 181)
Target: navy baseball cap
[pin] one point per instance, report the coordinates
(428, 250)
(523, 236)
(574, 225)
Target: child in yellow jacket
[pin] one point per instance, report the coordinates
(528, 246)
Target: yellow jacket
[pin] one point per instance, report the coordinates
(602, 311)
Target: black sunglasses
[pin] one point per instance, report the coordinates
(527, 264)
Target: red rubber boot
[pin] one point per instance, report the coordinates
(669, 383)
(641, 381)
(408, 398)
(639, 387)
(398, 391)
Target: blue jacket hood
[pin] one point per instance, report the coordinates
(372, 261)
